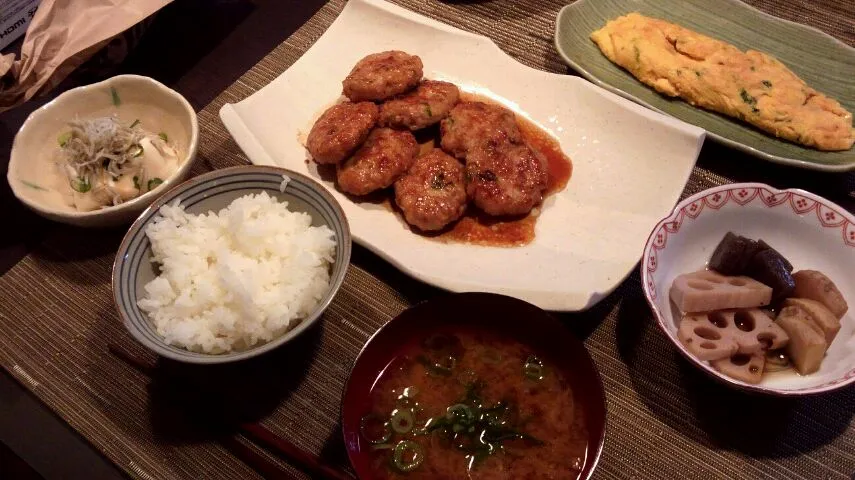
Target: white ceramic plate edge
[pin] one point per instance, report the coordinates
(553, 299)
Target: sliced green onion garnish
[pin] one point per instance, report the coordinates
(446, 364)
(63, 138)
(163, 136)
(136, 122)
(406, 400)
(116, 100)
(408, 456)
(136, 182)
(372, 422)
(410, 392)
(33, 185)
(442, 367)
(402, 420)
(382, 446)
(460, 414)
(153, 183)
(136, 150)
(533, 368)
(81, 184)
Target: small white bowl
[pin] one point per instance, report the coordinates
(159, 109)
(810, 231)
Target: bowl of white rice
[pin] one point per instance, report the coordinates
(231, 264)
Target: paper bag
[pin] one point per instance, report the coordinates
(63, 35)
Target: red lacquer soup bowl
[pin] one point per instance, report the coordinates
(473, 383)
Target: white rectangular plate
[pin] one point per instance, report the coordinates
(629, 164)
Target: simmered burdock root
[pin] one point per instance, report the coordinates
(706, 291)
(505, 180)
(746, 368)
(340, 131)
(819, 315)
(383, 75)
(816, 286)
(475, 125)
(807, 344)
(432, 194)
(429, 103)
(384, 157)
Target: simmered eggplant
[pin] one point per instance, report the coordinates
(770, 268)
(732, 255)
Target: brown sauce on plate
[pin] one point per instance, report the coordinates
(472, 404)
(481, 229)
(475, 226)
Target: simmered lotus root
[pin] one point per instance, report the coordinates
(706, 291)
(747, 368)
(704, 339)
(822, 317)
(754, 330)
(807, 345)
(716, 335)
(816, 286)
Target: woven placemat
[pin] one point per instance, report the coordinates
(666, 420)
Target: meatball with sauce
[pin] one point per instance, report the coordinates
(383, 75)
(506, 180)
(384, 157)
(340, 131)
(433, 193)
(476, 125)
(429, 103)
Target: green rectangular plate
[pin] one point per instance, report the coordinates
(825, 63)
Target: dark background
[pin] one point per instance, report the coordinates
(197, 47)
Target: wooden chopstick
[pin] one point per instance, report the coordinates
(265, 467)
(259, 434)
(309, 463)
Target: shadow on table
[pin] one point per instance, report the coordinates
(757, 425)
(191, 402)
(741, 167)
(516, 10)
(90, 250)
(333, 451)
(411, 289)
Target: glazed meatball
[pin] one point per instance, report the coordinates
(380, 76)
(341, 130)
(507, 180)
(382, 159)
(433, 193)
(474, 125)
(429, 103)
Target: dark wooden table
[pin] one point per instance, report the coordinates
(199, 47)
(210, 43)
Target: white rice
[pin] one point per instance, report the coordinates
(233, 279)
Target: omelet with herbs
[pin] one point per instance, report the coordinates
(751, 86)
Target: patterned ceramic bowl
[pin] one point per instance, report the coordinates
(810, 231)
(213, 191)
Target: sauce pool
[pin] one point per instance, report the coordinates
(478, 228)
(475, 226)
